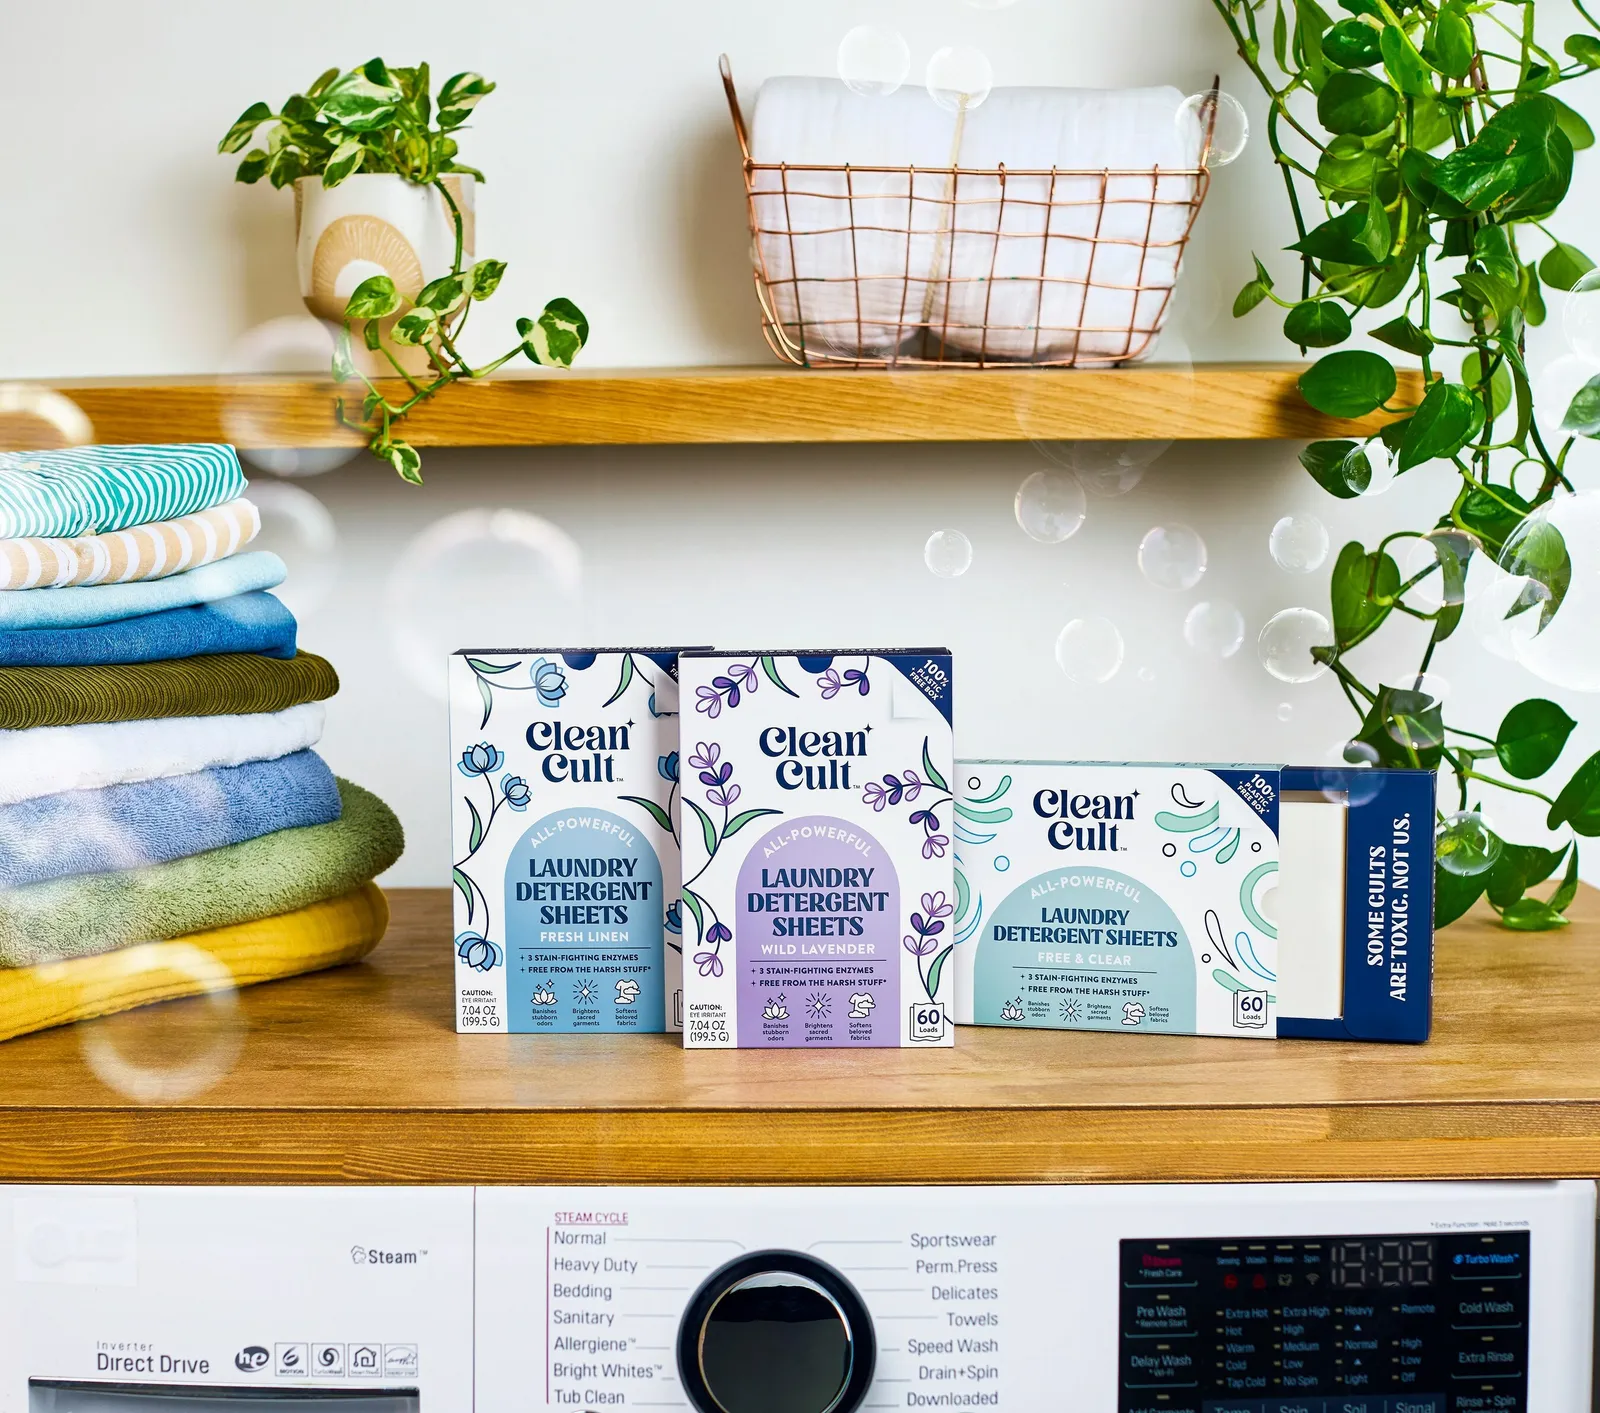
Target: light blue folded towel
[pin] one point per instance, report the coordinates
(246, 623)
(82, 604)
(155, 821)
(92, 490)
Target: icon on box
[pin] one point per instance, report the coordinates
(327, 1361)
(290, 1362)
(399, 1359)
(366, 1358)
(927, 1021)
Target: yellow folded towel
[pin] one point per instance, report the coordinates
(328, 934)
(154, 551)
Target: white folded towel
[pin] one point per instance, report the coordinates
(918, 260)
(804, 219)
(47, 760)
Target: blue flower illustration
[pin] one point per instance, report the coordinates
(549, 681)
(482, 759)
(667, 765)
(675, 917)
(516, 792)
(477, 952)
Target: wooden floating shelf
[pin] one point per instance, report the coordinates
(1211, 402)
(357, 1075)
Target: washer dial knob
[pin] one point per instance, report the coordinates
(776, 1332)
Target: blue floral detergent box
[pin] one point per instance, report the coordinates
(563, 820)
(1250, 901)
(816, 818)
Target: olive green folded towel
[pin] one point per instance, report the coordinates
(277, 873)
(225, 684)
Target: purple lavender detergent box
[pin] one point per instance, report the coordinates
(815, 815)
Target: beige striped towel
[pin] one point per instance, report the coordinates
(153, 551)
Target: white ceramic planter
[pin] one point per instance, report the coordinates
(371, 224)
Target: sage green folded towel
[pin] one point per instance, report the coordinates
(277, 873)
(225, 684)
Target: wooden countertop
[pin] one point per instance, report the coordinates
(356, 1075)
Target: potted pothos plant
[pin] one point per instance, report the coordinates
(1425, 156)
(385, 218)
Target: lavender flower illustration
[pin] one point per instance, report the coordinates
(722, 792)
(737, 681)
(831, 682)
(923, 941)
(479, 763)
(905, 787)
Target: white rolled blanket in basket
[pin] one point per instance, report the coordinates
(1074, 264)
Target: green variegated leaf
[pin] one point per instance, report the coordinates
(459, 96)
(414, 327)
(344, 362)
(407, 465)
(253, 167)
(444, 295)
(244, 128)
(483, 279)
(346, 159)
(374, 298)
(557, 336)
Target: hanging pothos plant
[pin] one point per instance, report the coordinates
(1425, 154)
(383, 120)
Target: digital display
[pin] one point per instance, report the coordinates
(1408, 1323)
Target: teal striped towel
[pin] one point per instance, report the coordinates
(93, 490)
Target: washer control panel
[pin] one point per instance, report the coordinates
(1419, 1322)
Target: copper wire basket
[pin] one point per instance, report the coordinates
(965, 266)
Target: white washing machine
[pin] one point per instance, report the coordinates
(1315, 1298)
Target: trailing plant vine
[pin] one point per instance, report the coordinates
(1424, 154)
(384, 120)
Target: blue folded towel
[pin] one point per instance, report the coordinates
(93, 490)
(81, 604)
(246, 623)
(155, 821)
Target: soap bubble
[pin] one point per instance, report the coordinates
(1560, 541)
(297, 527)
(33, 418)
(874, 60)
(1050, 508)
(1487, 614)
(1172, 557)
(1384, 474)
(1299, 544)
(948, 554)
(1220, 121)
(1090, 650)
(1561, 379)
(1105, 470)
(1214, 628)
(1442, 557)
(264, 402)
(1285, 644)
(1580, 318)
(1406, 729)
(1285, 711)
(1355, 752)
(493, 579)
(1146, 674)
(959, 78)
(1465, 845)
(171, 1051)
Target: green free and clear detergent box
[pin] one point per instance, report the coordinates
(1251, 901)
(564, 785)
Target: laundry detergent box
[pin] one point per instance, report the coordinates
(1251, 901)
(563, 820)
(816, 819)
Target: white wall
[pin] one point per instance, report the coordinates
(614, 180)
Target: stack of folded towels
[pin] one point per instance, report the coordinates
(157, 776)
